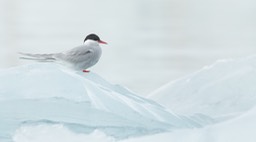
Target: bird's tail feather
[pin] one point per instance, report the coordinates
(38, 57)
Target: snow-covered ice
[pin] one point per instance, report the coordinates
(46, 102)
(239, 129)
(50, 94)
(225, 91)
(222, 90)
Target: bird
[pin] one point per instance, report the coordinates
(79, 58)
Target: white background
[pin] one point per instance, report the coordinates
(150, 42)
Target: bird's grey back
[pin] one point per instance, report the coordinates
(81, 57)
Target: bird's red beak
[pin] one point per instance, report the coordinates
(102, 42)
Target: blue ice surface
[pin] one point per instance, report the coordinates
(51, 94)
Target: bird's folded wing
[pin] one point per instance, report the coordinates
(77, 54)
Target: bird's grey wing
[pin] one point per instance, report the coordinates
(78, 54)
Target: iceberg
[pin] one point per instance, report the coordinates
(239, 129)
(225, 91)
(47, 102)
(222, 90)
(49, 94)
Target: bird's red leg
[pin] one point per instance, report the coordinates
(86, 71)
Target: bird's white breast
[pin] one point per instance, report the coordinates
(94, 55)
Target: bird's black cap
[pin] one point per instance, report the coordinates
(92, 37)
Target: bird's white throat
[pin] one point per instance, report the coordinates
(91, 42)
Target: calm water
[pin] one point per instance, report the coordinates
(150, 42)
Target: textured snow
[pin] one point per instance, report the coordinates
(222, 90)
(44, 102)
(57, 133)
(225, 91)
(239, 129)
(49, 94)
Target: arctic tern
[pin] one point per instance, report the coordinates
(79, 58)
